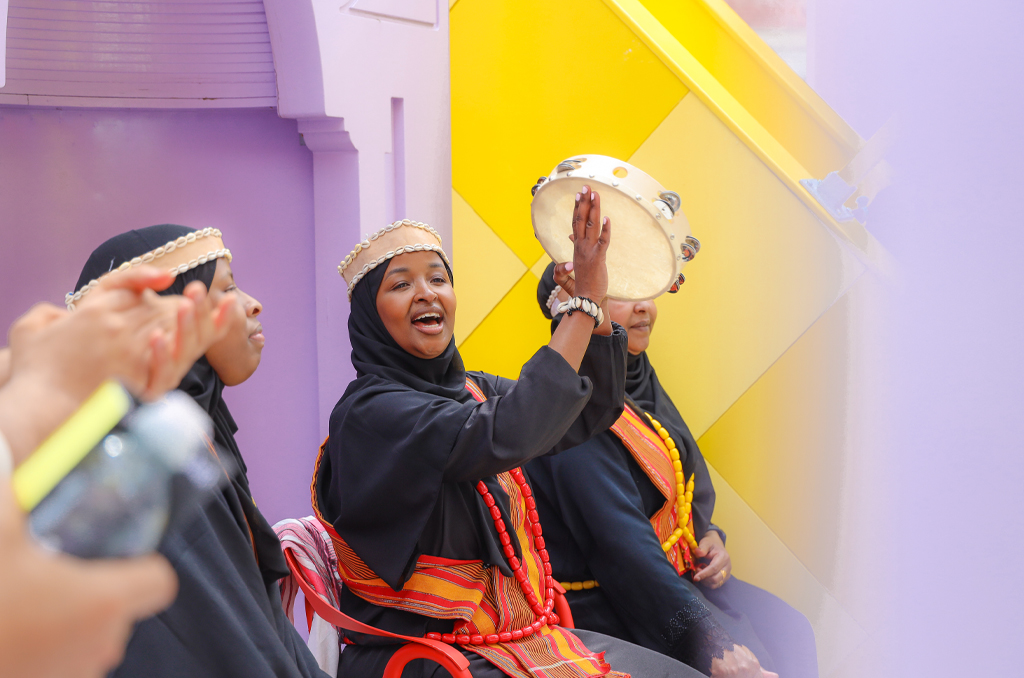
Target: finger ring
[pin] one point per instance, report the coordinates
(725, 576)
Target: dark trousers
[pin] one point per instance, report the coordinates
(780, 637)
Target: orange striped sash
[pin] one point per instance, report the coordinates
(650, 451)
(481, 599)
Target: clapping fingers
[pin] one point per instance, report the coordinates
(201, 324)
(37, 318)
(198, 325)
(137, 279)
(5, 365)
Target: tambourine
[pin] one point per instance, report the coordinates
(651, 241)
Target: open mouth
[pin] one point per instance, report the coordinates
(429, 322)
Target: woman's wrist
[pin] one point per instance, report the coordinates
(30, 409)
(605, 328)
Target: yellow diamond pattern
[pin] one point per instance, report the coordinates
(536, 81)
(529, 90)
(487, 268)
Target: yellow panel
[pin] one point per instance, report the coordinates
(781, 445)
(761, 558)
(534, 82)
(511, 334)
(485, 267)
(760, 81)
(733, 115)
(538, 267)
(766, 270)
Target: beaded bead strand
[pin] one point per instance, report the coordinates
(684, 499)
(684, 493)
(544, 613)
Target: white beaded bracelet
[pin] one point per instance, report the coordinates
(552, 302)
(589, 307)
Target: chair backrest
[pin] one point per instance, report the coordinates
(316, 602)
(321, 586)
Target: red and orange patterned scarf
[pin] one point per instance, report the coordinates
(481, 599)
(650, 451)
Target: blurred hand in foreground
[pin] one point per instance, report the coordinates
(122, 329)
(64, 617)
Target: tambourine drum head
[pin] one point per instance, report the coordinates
(641, 260)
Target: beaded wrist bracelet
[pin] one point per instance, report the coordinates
(551, 303)
(585, 305)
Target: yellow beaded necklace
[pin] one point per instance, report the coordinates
(684, 497)
(684, 493)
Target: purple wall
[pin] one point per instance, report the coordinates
(71, 178)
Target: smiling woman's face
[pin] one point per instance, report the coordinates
(638, 318)
(416, 301)
(238, 354)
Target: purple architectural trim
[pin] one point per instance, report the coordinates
(69, 179)
(366, 85)
(158, 54)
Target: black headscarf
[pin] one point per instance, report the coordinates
(375, 352)
(647, 393)
(391, 432)
(545, 287)
(201, 382)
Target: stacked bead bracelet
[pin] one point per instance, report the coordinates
(684, 498)
(591, 308)
(543, 613)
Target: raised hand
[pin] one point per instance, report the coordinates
(591, 236)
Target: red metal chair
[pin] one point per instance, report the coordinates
(444, 654)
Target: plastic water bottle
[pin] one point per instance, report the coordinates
(118, 501)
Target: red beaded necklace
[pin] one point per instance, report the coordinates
(543, 612)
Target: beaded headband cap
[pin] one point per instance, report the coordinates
(387, 243)
(177, 256)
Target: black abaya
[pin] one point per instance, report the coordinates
(227, 620)
(596, 501)
(408, 444)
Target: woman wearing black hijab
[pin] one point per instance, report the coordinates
(419, 486)
(227, 619)
(609, 508)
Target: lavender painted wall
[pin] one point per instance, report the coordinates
(72, 178)
(952, 551)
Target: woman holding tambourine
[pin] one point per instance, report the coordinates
(630, 511)
(420, 484)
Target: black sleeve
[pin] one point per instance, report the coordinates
(720, 531)
(550, 407)
(703, 504)
(602, 507)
